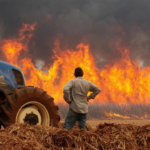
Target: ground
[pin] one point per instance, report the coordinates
(94, 123)
(101, 135)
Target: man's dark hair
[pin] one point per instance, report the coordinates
(78, 72)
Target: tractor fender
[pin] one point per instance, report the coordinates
(4, 90)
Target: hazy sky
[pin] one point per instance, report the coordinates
(101, 22)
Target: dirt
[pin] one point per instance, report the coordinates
(95, 122)
(104, 137)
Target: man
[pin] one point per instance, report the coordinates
(75, 94)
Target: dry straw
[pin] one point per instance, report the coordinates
(105, 137)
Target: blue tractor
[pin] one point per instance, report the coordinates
(20, 103)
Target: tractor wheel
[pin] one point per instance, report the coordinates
(29, 104)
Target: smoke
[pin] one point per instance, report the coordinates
(99, 22)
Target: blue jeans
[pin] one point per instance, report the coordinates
(72, 117)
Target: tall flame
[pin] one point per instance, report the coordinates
(121, 82)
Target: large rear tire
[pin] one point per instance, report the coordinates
(26, 103)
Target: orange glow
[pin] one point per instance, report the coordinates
(117, 116)
(145, 116)
(12, 48)
(113, 115)
(121, 82)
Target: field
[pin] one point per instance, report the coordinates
(101, 135)
(94, 123)
(115, 111)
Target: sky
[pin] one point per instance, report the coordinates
(103, 24)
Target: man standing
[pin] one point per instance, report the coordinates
(75, 94)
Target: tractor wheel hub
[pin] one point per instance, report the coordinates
(31, 118)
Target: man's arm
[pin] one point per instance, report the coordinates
(67, 88)
(95, 89)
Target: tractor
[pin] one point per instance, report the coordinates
(20, 103)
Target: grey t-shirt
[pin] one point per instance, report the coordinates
(76, 90)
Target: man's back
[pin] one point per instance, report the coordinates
(75, 94)
(78, 89)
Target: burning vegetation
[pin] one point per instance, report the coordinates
(124, 84)
(81, 34)
(113, 111)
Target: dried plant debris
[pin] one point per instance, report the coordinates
(105, 137)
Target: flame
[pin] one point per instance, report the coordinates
(12, 48)
(122, 81)
(145, 116)
(51, 81)
(133, 116)
(115, 115)
(126, 81)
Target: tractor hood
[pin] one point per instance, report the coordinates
(11, 75)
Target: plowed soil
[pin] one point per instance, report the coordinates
(104, 137)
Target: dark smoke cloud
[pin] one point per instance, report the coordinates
(100, 22)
